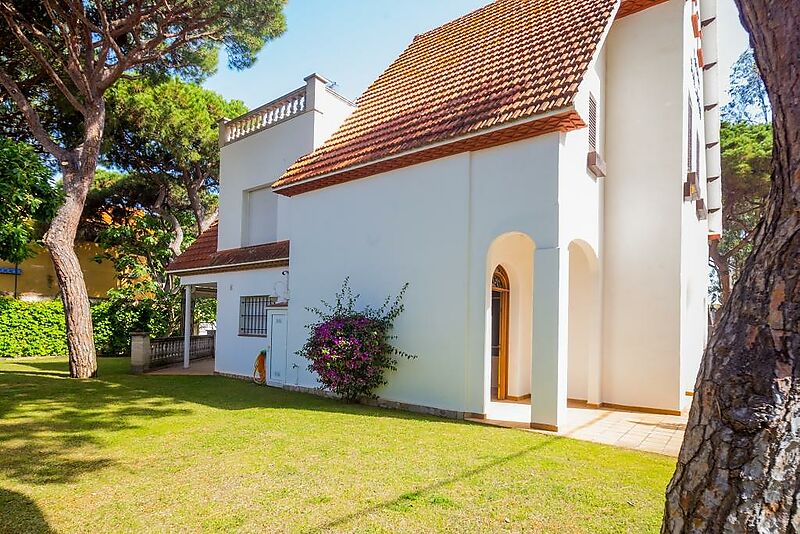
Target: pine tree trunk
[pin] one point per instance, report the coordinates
(193, 185)
(78, 173)
(739, 467)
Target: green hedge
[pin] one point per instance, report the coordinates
(31, 328)
(37, 328)
(114, 319)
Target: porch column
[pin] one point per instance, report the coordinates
(187, 325)
(550, 315)
(594, 393)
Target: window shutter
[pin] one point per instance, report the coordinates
(689, 158)
(697, 151)
(592, 122)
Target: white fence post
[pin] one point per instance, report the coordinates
(187, 327)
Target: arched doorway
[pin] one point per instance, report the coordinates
(508, 333)
(501, 289)
(583, 346)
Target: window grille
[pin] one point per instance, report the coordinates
(253, 315)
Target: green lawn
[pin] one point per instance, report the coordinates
(161, 453)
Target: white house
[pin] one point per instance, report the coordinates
(544, 174)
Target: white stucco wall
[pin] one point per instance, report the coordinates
(694, 231)
(581, 231)
(255, 162)
(236, 354)
(514, 189)
(431, 225)
(646, 221)
(408, 225)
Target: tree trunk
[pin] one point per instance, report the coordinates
(78, 174)
(166, 214)
(739, 467)
(177, 232)
(723, 268)
(193, 192)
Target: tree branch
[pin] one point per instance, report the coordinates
(48, 68)
(32, 117)
(73, 64)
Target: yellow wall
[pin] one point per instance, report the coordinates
(38, 279)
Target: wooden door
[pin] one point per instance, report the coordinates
(500, 299)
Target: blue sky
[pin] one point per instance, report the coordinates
(352, 41)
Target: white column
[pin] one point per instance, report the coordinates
(594, 382)
(187, 326)
(315, 86)
(223, 131)
(550, 328)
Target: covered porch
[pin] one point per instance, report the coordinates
(542, 332)
(192, 351)
(195, 346)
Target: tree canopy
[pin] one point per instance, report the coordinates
(746, 145)
(29, 198)
(749, 100)
(746, 165)
(168, 134)
(59, 59)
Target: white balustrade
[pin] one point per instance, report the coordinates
(264, 116)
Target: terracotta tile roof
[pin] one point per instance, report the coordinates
(203, 256)
(506, 62)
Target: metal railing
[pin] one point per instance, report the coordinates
(169, 350)
(265, 116)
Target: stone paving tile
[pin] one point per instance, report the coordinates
(200, 367)
(655, 433)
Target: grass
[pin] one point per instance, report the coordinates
(193, 453)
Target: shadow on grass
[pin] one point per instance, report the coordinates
(408, 499)
(51, 427)
(18, 513)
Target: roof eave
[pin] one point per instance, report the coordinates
(243, 266)
(284, 188)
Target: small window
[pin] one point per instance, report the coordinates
(253, 315)
(259, 217)
(592, 122)
(690, 131)
(697, 151)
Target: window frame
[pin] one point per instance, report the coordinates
(253, 313)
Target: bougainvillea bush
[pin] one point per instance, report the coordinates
(350, 351)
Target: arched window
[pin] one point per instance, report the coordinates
(500, 279)
(500, 292)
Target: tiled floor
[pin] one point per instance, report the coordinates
(657, 433)
(196, 368)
